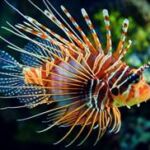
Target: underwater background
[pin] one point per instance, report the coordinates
(135, 130)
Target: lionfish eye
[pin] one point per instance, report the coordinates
(115, 91)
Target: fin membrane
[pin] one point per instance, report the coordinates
(10, 74)
(12, 82)
(47, 51)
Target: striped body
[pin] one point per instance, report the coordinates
(55, 74)
(85, 82)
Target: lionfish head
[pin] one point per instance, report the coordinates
(138, 92)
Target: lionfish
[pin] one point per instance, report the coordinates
(85, 83)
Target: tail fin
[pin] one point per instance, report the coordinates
(12, 83)
(10, 74)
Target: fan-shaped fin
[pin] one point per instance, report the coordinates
(12, 82)
(32, 96)
(8, 63)
(10, 69)
(48, 50)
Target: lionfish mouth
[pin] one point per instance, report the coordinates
(82, 84)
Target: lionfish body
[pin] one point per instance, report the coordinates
(86, 83)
